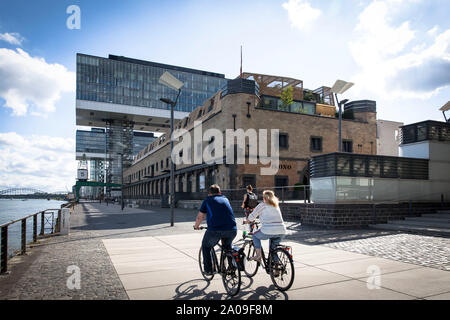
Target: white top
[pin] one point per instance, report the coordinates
(271, 220)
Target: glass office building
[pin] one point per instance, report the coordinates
(89, 142)
(133, 82)
(94, 142)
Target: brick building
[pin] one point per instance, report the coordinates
(307, 126)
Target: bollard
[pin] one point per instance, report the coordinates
(42, 222)
(58, 222)
(24, 236)
(35, 228)
(4, 250)
(304, 194)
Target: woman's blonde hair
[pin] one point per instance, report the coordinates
(270, 198)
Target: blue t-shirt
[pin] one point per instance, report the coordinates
(219, 215)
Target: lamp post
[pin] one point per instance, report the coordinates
(170, 81)
(121, 180)
(123, 146)
(444, 108)
(339, 87)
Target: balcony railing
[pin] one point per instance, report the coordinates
(363, 165)
(240, 86)
(426, 130)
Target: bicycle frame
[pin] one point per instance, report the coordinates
(215, 263)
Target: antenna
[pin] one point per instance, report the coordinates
(241, 62)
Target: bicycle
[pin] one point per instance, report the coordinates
(278, 264)
(228, 267)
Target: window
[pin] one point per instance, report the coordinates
(157, 166)
(270, 103)
(211, 105)
(167, 162)
(281, 181)
(162, 164)
(316, 144)
(249, 180)
(284, 141)
(347, 146)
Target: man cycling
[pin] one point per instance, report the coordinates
(221, 224)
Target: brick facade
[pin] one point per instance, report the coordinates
(244, 111)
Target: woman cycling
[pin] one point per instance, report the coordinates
(272, 224)
(250, 201)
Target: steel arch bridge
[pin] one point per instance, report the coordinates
(21, 192)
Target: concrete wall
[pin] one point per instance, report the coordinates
(388, 137)
(360, 190)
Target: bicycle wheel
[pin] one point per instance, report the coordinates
(282, 270)
(250, 266)
(200, 262)
(231, 276)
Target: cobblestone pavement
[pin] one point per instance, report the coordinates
(42, 273)
(424, 250)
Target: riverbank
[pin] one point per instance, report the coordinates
(135, 254)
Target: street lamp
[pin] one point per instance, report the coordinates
(444, 108)
(121, 173)
(339, 87)
(170, 81)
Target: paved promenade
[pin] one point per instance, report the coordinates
(135, 254)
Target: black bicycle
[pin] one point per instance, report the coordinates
(228, 267)
(278, 264)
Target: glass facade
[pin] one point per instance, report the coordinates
(94, 141)
(133, 82)
(90, 141)
(275, 103)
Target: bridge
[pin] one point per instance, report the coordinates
(30, 193)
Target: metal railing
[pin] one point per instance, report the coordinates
(48, 226)
(365, 165)
(425, 130)
(285, 193)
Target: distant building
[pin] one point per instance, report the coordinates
(91, 146)
(388, 137)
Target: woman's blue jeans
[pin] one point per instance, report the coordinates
(274, 239)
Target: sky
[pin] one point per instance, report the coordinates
(397, 52)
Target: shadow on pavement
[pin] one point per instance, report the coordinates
(102, 217)
(311, 235)
(196, 289)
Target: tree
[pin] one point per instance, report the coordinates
(287, 97)
(308, 96)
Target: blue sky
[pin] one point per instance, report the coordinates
(396, 51)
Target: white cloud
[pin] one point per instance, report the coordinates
(30, 83)
(12, 38)
(42, 162)
(388, 66)
(301, 14)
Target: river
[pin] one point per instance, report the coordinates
(15, 209)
